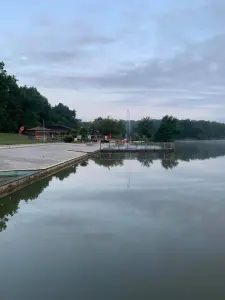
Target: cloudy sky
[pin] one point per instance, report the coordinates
(103, 57)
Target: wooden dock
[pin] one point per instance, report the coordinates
(137, 147)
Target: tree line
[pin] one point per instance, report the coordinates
(166, 129)
(170, 128)
(139, 130)
(22, 105)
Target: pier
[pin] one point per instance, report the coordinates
(114, 146)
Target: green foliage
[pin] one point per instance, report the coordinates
(190, 129)
(136, 136)
(74, 133)
(167, 129)
(13, 139)
(68, 138)
(104, 126)
(145, 128)
(26, 106)
(83, 131)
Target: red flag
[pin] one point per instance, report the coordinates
(21, 130)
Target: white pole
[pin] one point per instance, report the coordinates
(44, 129)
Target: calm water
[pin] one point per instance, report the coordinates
(119, 227)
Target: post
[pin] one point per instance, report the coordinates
(44, 129)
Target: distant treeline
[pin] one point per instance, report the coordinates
(26, 106)
(169, 128)
(190, 129)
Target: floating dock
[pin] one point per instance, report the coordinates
(138, 147)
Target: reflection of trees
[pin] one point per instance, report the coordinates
(169, 164)
(84, 163)
(9, 205)
(108, 160)
(185, 151)
(66, 173)
(146, 163)
(188, 151)
(144, 158)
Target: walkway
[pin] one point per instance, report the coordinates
(39, 156)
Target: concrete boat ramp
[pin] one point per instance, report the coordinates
(21, 165)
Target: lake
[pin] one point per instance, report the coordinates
(120, 226)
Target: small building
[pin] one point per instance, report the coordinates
(58, 130)
(38, 133)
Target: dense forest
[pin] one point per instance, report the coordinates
(22, 105)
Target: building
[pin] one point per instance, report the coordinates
(38, 133)
(52, 132)
(59, 130)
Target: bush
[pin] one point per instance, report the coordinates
(68, 138)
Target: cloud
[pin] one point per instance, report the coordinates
(54, 43)
(163, 58)
(199, 66)
(191, 80)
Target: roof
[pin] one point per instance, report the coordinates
(38, 129)
(59, 126)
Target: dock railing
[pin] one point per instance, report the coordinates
(137, 146)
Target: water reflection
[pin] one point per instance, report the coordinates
(10, 205)
(84, 163)
(168, 160)
(185, 151)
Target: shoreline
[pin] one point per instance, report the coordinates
(18, 184)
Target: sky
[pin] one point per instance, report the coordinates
(103, 57)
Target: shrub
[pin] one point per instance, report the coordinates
(68, 138)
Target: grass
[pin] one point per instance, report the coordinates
(14, 139)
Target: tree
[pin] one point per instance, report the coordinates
(22, 105)
(145, 127)
(168, 129)
(83, 131)
(104, 126)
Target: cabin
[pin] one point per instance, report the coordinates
(57, 131)
(52, 132)
(38, 133)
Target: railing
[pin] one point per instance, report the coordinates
(138, 146)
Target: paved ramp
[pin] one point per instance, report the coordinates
(41, 156)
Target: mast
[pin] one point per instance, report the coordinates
(128, 127)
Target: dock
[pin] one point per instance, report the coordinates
(113, 146)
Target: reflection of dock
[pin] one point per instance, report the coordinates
(138, 147)
(146, 159)
(131, 155)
